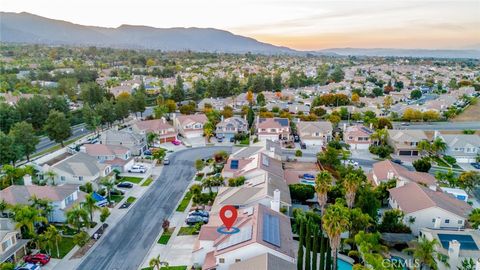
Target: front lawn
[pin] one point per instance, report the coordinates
(64, 246)
(147, 182)
(116, 198)
(163, 240)
(180, 267)
(440, 162)
(131, 199)
(191, 230)
(184, 203)
(66, 230)
(135, 180)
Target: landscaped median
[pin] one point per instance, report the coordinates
(131, 179)
(181, 267)
(147, 182)
(184, 203)
(163, 240)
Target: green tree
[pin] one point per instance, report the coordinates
(23, 135)
(104, 214)
(474, 218)
(425, 251)
(424, 147)
(250, 117)
(92, 93)
(208, 129)
(90, 205)
(323, 183)
(337, 75)
(329, 157)
(108, 184)
(438, 146)
(58, 127)
(308, 246)
(199, 164)
(178, 94)
(11, 152)
(422, 165)
(351, 182)
(300, 254)
(415, 94)
(261, 99)
(301, 192)
(469, 180)
(81, 238)
(151, 137)
(53, 237)
(26, 217)
(335, 222)
(277, 82)
(157, 263)
(91, 118)
(77, 217)
(50, 176)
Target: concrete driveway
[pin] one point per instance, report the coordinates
(127, 243)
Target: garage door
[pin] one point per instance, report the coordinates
(405, 153)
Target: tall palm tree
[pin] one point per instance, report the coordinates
(151, 137)
(76, 217)
(157, 262)
(424, 147)
(335, 222)
(50, 175)
(351, 183)
(425, 251)
(380, 136)
(26, 216)
(108, 184)
(90, 205)
(208, 129)
(53, 237)
(438, 146)
(212, 181)
(323, 184)
(42, 205)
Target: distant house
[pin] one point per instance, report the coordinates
(61, 197)
(164, 131)
(78, 169)
(317, 133)
(190, 126)
(358, 137)
(12, 246)
(273, 129)
(227, 128)
(386, 170)
(463, 147)
(266, 261)
(429, 208)
(404, 142)
(136, 142)
(117, 156)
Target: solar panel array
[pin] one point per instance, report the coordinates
(234, 164)
(367, 130)
(282, 121)
(244, 235)
(466, 241)
(271, 229)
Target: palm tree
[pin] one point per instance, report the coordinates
(380, 136)
(474, 218)
(42, 205)
(335, 222)
(157, 262)
(50, 175)
(212, 181)
(151, 137)
(438, 146)
(425, 251)
(26, 216)
(3, 206)
(53, 237)
(208, 129)
(345, 155)
(351, 183)
(76, 217)
(90, 205)
(322, 186)
(424, 147)
(108, 184)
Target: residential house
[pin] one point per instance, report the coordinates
(136, 142)
(266, 261)
(227, 128)
(273, 129)
(12, 246)
(61, 197)
(117, 156)
(78, 169)
(357, 136)
(317, 133)
(465, 148)
(164, 131)
(427, 208)
(386, 170)
(262, 230)
(190, 126)
(404, 142)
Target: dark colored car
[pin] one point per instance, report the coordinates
(37, 258)
(398, 161)
(296, 138)
(147, 152)
(200, 213)
(125, 185)
(476, 165)
(192, 220)
(303, 145)
(232, 139)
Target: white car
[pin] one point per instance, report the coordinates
(137, 169)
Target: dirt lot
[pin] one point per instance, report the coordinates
(472, 113)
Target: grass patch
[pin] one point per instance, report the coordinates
(66, 230)
(198, 178)
(147, 182)
(53, 148)
(188, 231)
(131, 199)
(135, 180)
(440, 162)
(180, 267)
(163, 240)
(116, 198)
(184, 203)
(64, 246)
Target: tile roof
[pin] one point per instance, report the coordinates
(273, 122)
(18, 194)
(80, 164)
(323, 127)
(105, 149)
(266, 261)
(461, 140)
(154, 125)
(382, 168)
(192, 118)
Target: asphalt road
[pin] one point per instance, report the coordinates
(129, 241)
(45, 142)
(440, 125)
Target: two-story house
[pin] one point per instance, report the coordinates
(136, 142)
(117, 156)
(273, 129)
(190, 126)
(386, 170)
(404, 142)
(463, 147)
(358, 137)
(317, 133)
(61, 197)
(227, 128)
(12, 247)
(164, 131)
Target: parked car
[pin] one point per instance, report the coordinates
(303, 145)
(147, 152)
(125, 185)
(476, 165)
(220, 139)
(137, 169)
(166, 161)
(296, 138)
(200, 213)
(232, 139)
(398, 161)
(37, 258)
(192, 220)
(28, 266)
(176, 142)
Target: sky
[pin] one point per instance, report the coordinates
(298, 24)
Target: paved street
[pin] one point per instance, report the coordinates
(439, 125)
(126, 245)
(45, 142)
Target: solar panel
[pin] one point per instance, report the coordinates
(244, 235)
(234, 164)
(466, 241)
(271, 229)
(282, 121)
(367, 130)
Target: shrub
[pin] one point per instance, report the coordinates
(81, 238)
(301, 192)
(451, 160)
(382, 151)
(422, 165)
(298, 153)
(104, 214)
(236, 182)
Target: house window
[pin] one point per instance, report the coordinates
(447, 221)
(460, 222)
(62, 178)
(80, 178)
(433, 220)
(221, 260)
(350, 138)
(237, 260)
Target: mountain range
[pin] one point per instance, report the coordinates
(33, 29)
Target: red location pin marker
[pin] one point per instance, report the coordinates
(228, 214)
